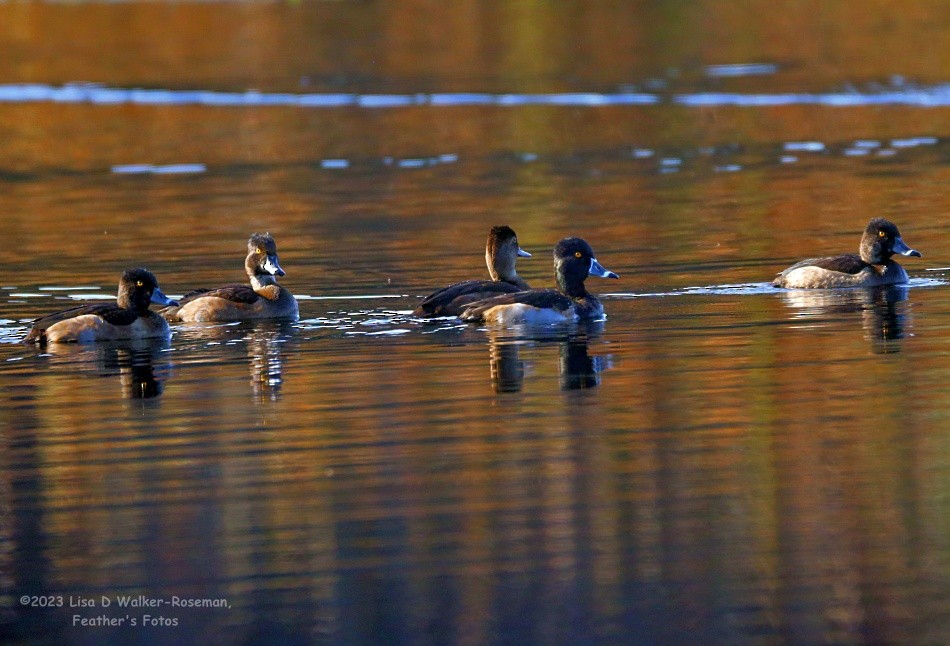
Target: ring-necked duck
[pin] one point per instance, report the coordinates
(127, 318)
(573, 261)
(501, 253)
(262, 299)
(872, 267)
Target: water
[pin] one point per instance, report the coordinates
(717, 462)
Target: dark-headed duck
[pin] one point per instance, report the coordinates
(573, 261)
(127, 318)
(869, 268)
(262, 299)
(501, 254)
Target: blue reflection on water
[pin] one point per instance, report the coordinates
(936, 96)
(741, 69)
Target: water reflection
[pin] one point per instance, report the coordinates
(577, 368)
(264, 342)
(356, 479)
(142, 365)
(23, 543)
(882, 314)
(507, 368)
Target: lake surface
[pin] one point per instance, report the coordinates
(716, 462)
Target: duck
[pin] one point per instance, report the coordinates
(574, 261)
(870, 267)
(501, 253)
(263, 298)
(127, 319)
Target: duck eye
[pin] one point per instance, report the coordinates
(259, 250)
(578, 254)
(139, 283)
(881, 234)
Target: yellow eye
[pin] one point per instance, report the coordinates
(259, 250)
(578, 254)
(139, 283)
(881, 234)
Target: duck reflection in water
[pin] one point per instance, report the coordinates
(142, 365)
(507, 368)
(262, 342)
(883, 317)
(577, 369)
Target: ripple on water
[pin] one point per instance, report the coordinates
(74, 288)
(741, 69)
(102, 296)
(727, 289)
(96, 94)
(12, 333)
(392, 332)
(356, 319)
(351, 297)
(746, 289)
(912, 142)
(804, 146)
(160, 169)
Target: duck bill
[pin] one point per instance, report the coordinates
(159, 298)
(272, 267)
(523, 253)
(901, 248)
(596, 269)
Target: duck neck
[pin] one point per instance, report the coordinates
(259, 278)
(570, 288)
(260, 281)
(502, 269)
(501, 273)
(495, 268)
(517, 281)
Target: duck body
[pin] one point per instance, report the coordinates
(235, 302)
(262, 298)
(534, 307)
(451, 300)
(847, 270)
(501, 254)
(871, 267)
(573, 261)
(127, 319)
